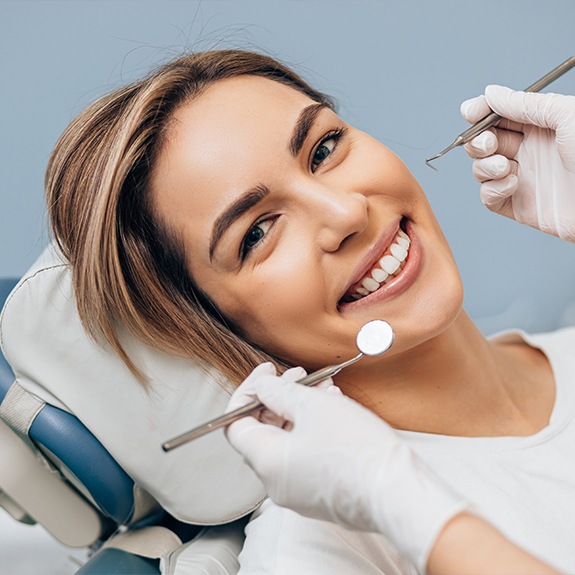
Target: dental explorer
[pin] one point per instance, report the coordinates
(373, 339)
(492, 118)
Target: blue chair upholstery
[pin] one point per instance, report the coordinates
(64, 435)
(118, 562)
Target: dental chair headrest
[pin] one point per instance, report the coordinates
(204, 482)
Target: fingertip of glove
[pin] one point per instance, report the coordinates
(500, 98)
(493, 192)
(294, 373)
(474, 108)
(494, 90)
(482, 145)
(267, 368)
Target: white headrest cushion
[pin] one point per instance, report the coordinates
(205, 481)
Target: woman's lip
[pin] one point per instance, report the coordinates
(374, 254)
(399, 283)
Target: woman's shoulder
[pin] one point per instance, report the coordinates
(280, 541)
(561, 339)
(558, 346)
(516, 334)
(558, 341)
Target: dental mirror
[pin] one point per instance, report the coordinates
(374, 338)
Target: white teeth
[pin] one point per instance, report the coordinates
(389, 264)
(398, 252)
(370, 284)
(402, 241)
(379, 275)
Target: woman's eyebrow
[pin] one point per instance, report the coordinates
(303, 125)
(237, 209)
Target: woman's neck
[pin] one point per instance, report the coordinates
(459, 383)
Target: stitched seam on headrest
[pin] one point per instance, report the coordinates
(17, 288)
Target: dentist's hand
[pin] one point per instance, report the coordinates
(328, 457)
(526, 165)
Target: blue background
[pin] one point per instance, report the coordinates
(399, 70)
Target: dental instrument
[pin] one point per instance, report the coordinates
(491, 119)
(373, 339)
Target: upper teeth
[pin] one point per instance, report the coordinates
(387, 266)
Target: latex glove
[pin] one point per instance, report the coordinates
(332, 459)
(527, 164)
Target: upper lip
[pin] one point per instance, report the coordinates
(372, 256)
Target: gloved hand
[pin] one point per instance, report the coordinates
(527, 163)
(330, 458)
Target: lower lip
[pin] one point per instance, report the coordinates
(399, 283)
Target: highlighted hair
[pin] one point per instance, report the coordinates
(128, 269)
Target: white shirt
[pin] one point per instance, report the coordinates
(525, 486)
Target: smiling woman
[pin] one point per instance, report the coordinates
(220, 209)
(306, 211)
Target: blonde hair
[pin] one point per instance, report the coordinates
(128, 269)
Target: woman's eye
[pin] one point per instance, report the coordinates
(254, 236)
(322, 152)
(325, 148)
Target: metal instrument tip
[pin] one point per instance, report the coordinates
(457, 142)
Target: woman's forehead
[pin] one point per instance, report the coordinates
(242, 101)
(233, 121)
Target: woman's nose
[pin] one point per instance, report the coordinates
(340, 214)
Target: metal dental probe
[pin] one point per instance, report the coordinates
(492, 118)
(373, 339)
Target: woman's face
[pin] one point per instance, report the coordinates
(285, 211)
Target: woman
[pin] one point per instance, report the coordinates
(221, 209)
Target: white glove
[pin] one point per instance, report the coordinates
(337, 461)
(527, 163)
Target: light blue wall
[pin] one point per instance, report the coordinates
(398, 68)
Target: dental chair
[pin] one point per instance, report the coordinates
(80, 442)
